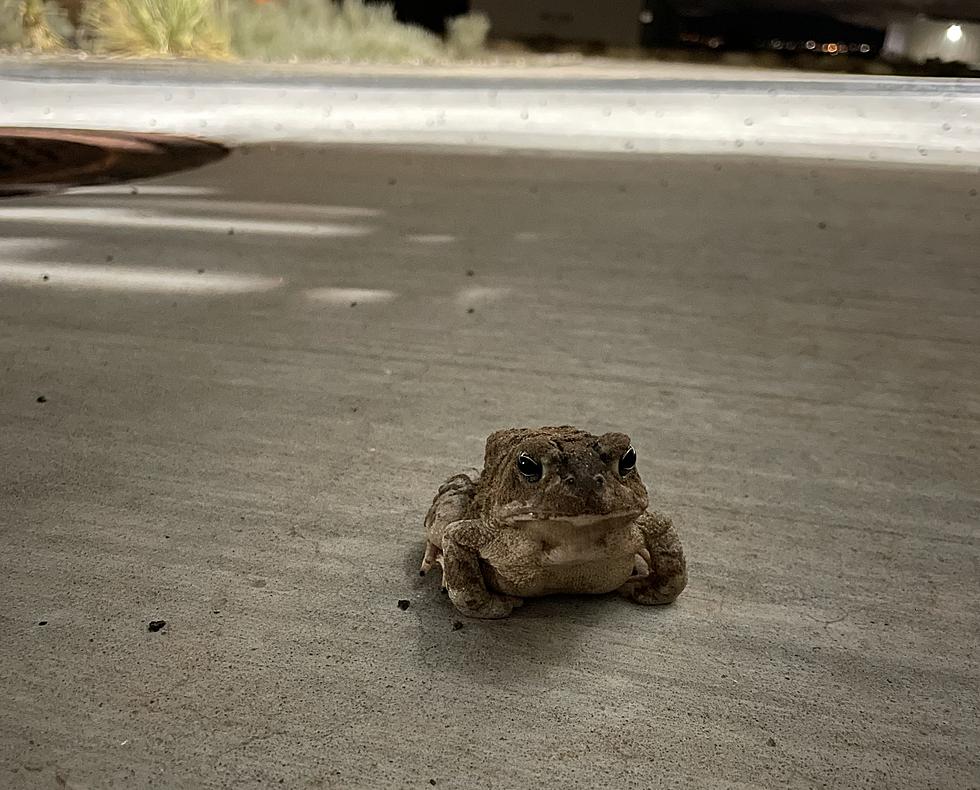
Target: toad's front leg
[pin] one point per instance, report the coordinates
(463, 576)
(661, 551)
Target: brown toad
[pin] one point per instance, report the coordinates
(555, 510)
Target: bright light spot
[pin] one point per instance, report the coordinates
(129, 218)
(347, 296)
(832, 49)
(811, 44)
(954, 33)
(292, 210)
(26, 245)
(484, 295)
(432, 238)
(121, 278)
(142, 189)
(865, 48)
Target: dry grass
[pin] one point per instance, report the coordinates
(278, 30)
(467, 35)
(324, 30)
(33, 24)
(188, 28)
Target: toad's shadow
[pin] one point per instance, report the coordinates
(534, 643)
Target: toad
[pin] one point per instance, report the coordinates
(555, 510)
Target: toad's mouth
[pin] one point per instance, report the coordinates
(577, 520)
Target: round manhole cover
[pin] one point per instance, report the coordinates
(43, 160)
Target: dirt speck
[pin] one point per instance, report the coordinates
(353, 304)
(771, 742)
(231, 231)
(470, 272)
(457, 625)
(822, 225)
(45, 277)
(155, 625)
(404, 603)
(42, 399)
(109, 259)
(200, 271)
(42, 622)
(470, 309)
(432, 782)
(392, 181)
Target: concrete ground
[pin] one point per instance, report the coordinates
(255, 375)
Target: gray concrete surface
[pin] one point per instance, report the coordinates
(229, 445)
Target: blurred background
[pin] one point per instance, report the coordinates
(939, 37)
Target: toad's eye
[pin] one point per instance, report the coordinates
(628, 462)
(529, 468)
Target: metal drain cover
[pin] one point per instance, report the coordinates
(45, 160)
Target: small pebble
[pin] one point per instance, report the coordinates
(155, 625)
(403, 604)
(42, 622)
(41, 399)
(432, 782)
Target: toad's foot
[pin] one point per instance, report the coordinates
(433, 555)
(493, 606)
(463, 575)
(665, 574)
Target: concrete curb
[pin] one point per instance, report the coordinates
(892, 120)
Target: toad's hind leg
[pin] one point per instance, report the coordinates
(450, 504)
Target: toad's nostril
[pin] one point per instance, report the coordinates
(600, 481)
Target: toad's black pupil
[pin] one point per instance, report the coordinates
(627, 462)
(528, 467)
